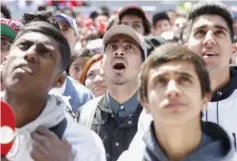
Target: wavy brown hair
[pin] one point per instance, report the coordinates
(89, 63)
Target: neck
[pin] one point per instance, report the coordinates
(174, 139)
(26, 107)
(121, 93)
(218, 82)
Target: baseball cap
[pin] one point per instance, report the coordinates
(125, 30)
(128, 8)
(10, 28)
(71, 21)
(152, 42)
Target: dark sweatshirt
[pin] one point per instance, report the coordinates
(215, 146)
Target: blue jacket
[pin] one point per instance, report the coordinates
(78, 93)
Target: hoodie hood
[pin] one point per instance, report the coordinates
(215, 146)
(229, 88)
(52, 114)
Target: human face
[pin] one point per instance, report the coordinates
(122, 60)
(33, 64)
(95, 79)
(161, 26)
(134, 22)
(5, 47)
(68, 32)
(178, 24)
(210, 38)
(174, 93)
(101, 19)
(76, 67)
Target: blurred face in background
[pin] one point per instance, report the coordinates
(95, 79)
(68, 32)
(172, 15)
(161, 26)
(76, 67)
(178, 24)
(134, 22)
(101, 20)
(5, 47)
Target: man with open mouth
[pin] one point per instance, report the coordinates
(114, 116)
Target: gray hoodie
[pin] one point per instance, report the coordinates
(215, 146)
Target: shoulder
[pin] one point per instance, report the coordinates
(93, 101)
(88, 107)
(80, 88)
(86, 144)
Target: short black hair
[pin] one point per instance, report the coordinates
(159, 16)
(49, 30)
(134, 11)
(212, 8)
(45, 16)
(101, 11)
(5, 11)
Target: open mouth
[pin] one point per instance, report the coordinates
(119, 66)
(209, 55)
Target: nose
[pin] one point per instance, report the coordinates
(30, 54)
(172, 90)
(209, 39)
(119, 52)
(98, 79)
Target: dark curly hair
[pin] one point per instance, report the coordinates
(5, 11)
(45, 16)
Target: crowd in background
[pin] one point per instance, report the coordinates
(85, 31)
(86, 81)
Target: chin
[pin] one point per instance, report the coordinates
(119, 82)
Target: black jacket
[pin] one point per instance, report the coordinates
(116, 135)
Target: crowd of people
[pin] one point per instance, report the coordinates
(121, 86)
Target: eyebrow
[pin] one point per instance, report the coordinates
(215, 26)
(137, 22)
(160, 75)
(46, 44)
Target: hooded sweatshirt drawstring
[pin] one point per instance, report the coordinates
(219, 94)
(206, 115)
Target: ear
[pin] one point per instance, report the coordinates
(234, 49)
(206, 100)
(145, 105)
(60, 79)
